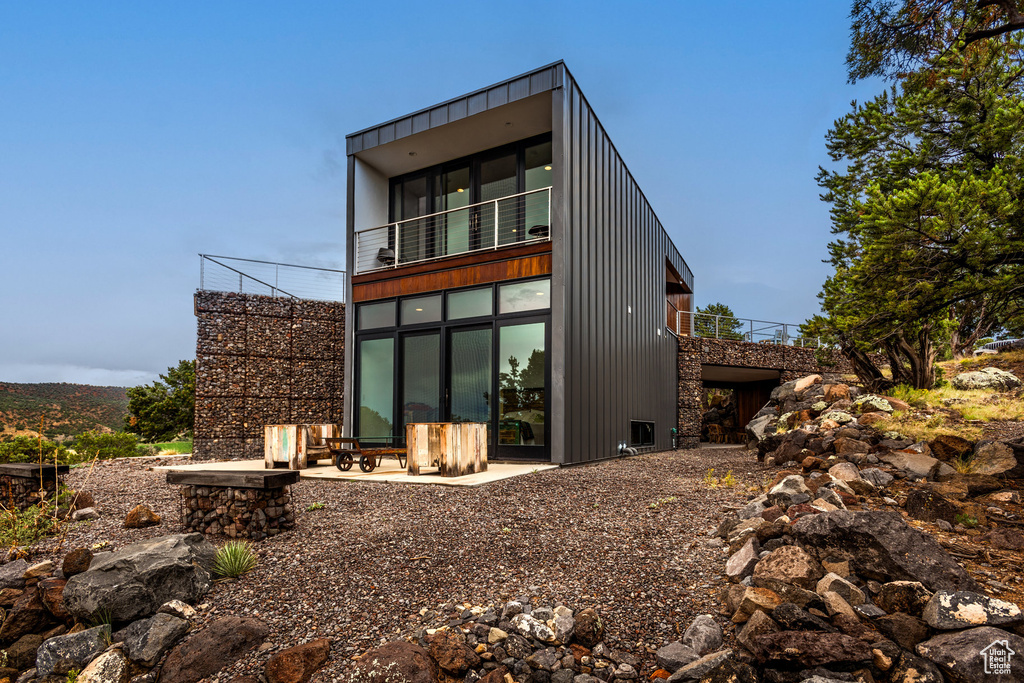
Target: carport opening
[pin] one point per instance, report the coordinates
(731, 397)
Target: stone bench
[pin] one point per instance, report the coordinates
(24, 484)
(246, 504)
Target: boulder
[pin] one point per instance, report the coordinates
(993, 458)
(790, 564)
(1005, 539)
(51, 592)
(930, 506)
(914, 464)
(135, 581)
(110, 667)
(213, 648)
(836, 392)
(698, 669)
(836, 584)
(22, 654)
(757, 427)
(85, 514)
(146, 640)
(564, 627)
(589, 628)
(970, 655)
(792, 618)
(837, 606)
(872, 404)
(876, 477)
(402, 661)
(298, 664)
(703, 634)
(790, 491)
(810, 649)
(29, 615)
(675, 656)
(76, 562)
(948, 447)
(903, 629)
(755, 599)
(40, 569)
(910, 668)
(882, 547)
(754, 508)
(908, 597)
(741, 564)
(948, 610)
(452, 654)
(532, 628)
(12, 574)
(845, 471)
(140, 517)
(58, 656)
(986, 378)
(758, 624)
(788, 593)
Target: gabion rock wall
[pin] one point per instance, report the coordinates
(264, 360)
(237, 512)
(20, 493)
(792, 362)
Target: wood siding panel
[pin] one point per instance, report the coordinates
(453, 262)
(500, 271)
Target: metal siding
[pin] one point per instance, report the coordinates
(438, 116)
(497, 96)
(477, 103)
(421, 122)
(618, 367)
(403, 128)
(386, 134)
(518, 89)
(457, 110)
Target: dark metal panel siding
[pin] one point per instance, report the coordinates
(620, 364)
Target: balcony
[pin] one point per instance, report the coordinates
(510, 221)
(708, 326)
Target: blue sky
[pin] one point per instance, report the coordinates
(135, 135)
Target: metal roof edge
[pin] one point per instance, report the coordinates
(459, 97)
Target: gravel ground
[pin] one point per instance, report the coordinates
(627, 537)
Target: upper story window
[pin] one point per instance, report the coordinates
(513, 169)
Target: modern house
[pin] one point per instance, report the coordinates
(506, 268)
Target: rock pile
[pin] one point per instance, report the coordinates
(527, 641)
(115, 616)
(824, 588)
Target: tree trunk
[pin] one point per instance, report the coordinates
(865, 369)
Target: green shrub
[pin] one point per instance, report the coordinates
(234, 559)
(26, 449)
(26, 527)
(108, 445)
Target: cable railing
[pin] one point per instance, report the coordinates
(251, 276)
(494, 224)
(709, 326)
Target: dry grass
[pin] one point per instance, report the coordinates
(926, 428)
(984, 361)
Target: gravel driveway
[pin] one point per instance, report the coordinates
(627, 537)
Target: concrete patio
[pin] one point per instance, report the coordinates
(389, 472)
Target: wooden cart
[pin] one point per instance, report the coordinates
(345, 451)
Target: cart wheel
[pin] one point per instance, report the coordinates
(345, 462)
(366, 463)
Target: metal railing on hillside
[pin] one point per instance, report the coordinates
(687, 324)
(251, 276)
(504, 222)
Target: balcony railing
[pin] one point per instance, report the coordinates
(251, 276)
(509, 221)
(687, 324)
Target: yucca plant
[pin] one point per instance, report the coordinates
(234, 559)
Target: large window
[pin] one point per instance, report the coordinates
(439, 207)
(478, 354)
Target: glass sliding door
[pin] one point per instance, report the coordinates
(421, 379)
(499, 178)
(376, 387)
(455, 226)
(522, 390)
(414, 238)
(469, 375)
(536, 205)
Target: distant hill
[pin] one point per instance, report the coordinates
(68, 409)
